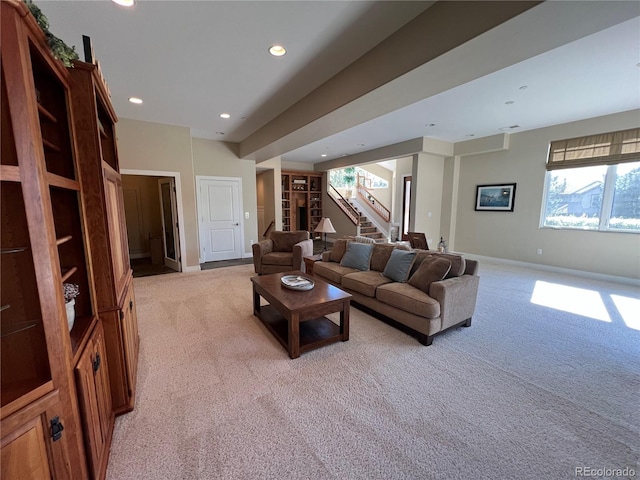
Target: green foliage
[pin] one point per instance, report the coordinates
(554, 197)
(59, 49)
(349, 176)
(627, 197)
(591, 223)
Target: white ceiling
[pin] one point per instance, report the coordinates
(190, 61)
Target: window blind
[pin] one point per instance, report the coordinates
(603, 149)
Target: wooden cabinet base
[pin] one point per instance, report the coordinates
(122, 342)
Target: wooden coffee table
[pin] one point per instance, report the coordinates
(297, 318)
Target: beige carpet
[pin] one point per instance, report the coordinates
(528, 392)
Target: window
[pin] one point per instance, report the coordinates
(593, 183)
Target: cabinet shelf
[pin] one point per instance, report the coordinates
(9, 173)
(51, 146)
(62, 182)
(66, 274)
(6, 251)
(46, 114)
(13, 328)
(62, 240)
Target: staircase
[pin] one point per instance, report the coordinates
(367, 229)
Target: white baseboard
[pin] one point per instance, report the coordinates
(192, 268)
(551, 268)
(140, 255)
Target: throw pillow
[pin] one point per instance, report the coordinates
(357, 256)
(399, 265)
(432, 269)
(338, 249)
(380, 256)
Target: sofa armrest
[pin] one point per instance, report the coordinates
(300, 250)
(457, 298)
(259, 249)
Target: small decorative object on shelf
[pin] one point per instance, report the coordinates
(71, 291)
(442, 246)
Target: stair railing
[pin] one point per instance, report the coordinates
(365, 194)
(269, 228)
(344, 205)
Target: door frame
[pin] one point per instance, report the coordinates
(176, 177)
(199, 209)
(173, 197)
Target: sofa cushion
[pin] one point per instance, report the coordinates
(364, 282)
(278, 258)
(338, 249)
(409, 299)
(331, 271)
(432, 269)
(399, 265)
(358, 255)
(458, 264)
(284, 241)
(380, 256)
(420, 256)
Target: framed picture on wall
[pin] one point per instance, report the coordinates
(495, 198)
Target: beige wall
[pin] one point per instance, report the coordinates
(143, 190)
(516, 235)
(404, 167)
(219, 159)
(426, 197)
(266, 199)
(158, 147)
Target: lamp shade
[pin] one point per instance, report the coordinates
(325, 226)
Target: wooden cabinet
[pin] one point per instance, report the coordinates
(301, 201)
(92, 379)
(98, 168)
(43, 246)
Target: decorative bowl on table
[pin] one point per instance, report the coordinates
(297, 282)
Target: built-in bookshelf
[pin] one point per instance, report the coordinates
(301, 200)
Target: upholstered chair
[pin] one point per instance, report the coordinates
(282, 252)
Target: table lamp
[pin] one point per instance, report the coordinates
(325, 227)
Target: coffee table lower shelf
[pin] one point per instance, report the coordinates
(314, 333)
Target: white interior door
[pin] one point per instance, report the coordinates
(220, 222)
(170, 233)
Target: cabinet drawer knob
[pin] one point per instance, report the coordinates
(56, 429)
(96, 363)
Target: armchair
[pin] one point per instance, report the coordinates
(282, 252)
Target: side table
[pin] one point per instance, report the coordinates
(309, 261)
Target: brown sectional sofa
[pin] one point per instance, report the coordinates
(422, 309)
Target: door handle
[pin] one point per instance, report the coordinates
(237, 224)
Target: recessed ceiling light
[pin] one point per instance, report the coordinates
(277, 50)
(135, 100)
(225, 115)
(219, 133)
(523, 87)
(430, 125)
(323, 155)
(509, 102)
(124, 3)
(470, 135)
